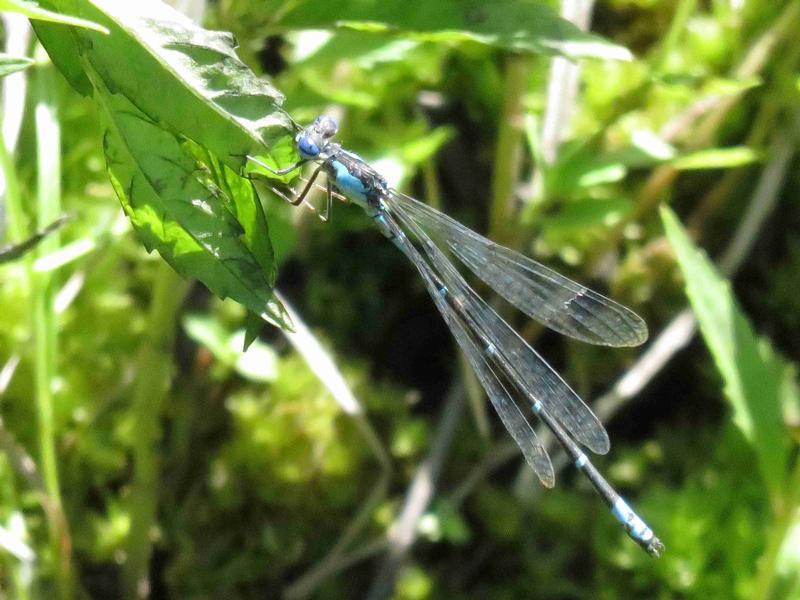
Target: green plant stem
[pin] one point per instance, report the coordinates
(154, 370)
(786, 514)
(768, 563)
(433, 194)
(18, 586)
(509, 148)
(14, 215)
(677, 28)
(45, 326)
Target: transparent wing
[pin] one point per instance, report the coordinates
(510, 414)
(552, 299)
(518, 360)
(491, 349)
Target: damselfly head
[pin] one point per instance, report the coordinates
(309, 144)
(312, 140)
(326, 126)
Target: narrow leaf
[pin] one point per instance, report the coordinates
(9, 253)
(11, 64)
(717, 158)
(322, 364)
(753, 374)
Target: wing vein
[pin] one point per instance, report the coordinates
(507, 409)
(541, 293)
(519, 361)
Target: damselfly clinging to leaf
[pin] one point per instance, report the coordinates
(508, 368)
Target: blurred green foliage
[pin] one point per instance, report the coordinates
(185, 467)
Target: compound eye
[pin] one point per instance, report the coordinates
(307, 147)
(326, 126)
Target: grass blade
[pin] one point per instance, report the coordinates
(753, 374)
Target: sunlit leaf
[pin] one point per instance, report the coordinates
(181, 83)
(754, 375)
(578, 215)
(324, 51)
(426, 146)
(652, 145)
(444, 522)
(183, 77)
(259, 363)
(609, 173)
(64, 255)
(11, 64)
(717, 158)
(192, 225)
(584, 164)
(34, 10)
(345, 95)
(788, 563)
(521, 25)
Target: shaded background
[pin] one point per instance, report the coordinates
(266, 483)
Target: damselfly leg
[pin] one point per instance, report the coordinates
(298, 198)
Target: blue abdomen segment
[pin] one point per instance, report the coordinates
(633, 523)
(347, 183)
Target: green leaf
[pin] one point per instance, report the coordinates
(259, 363)
(444, 522)
(11, 64)
(9, 253)
(180, 118)
(33, 10)
(579, 215)
(717, 158)
(426, 146)
(240, 200)
(756, 379)
(165, 192)
(519, 25)
(208, 332)
(368, 52)
(587, 163)
(185, 78)
(788, 562)
(253, 325)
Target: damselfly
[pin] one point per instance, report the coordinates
(508, 368)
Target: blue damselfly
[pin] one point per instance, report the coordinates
(507, 367)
